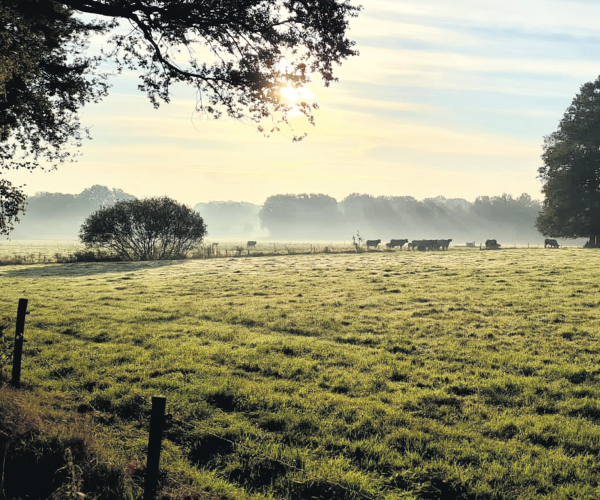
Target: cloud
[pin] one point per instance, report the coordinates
(369, 26)
(568, 17)
(379, 64)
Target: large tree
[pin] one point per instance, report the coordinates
(571, 171)
(237, 54)
(44, 80)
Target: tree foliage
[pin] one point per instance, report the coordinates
(303, 215)
(237, 54)
(12, 202)
(148, 229)
(571, 171)
(45, 78)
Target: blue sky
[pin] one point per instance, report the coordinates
(446, 98)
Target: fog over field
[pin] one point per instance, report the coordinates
(314, 217)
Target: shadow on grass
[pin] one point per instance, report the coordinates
(79, 269)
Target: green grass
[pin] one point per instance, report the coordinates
(461, 374)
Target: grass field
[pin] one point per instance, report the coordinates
(36, 251)
(460, 374)
(64, 251)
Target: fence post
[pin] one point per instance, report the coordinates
(18, 351)
(157, 417)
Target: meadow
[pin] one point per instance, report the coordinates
(36, 251)
(379, 375)
(66, 251)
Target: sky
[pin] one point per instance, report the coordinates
(445, 98)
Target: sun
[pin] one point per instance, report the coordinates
(293, 95)
(290, 93)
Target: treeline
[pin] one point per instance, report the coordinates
(312, 217)
(321, 217)
(59, 215)
(231, 219)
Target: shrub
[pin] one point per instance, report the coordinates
(148, 229)
(97, 255)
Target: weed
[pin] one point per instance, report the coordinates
(7, 344)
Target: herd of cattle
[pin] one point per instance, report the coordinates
(424, 245)
(412, 245)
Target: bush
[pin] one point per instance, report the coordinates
(97, 255)
(148, 229)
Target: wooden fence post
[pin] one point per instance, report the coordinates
(18, 351)
(157, 417)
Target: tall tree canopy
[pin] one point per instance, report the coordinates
(237, 54)
(44, 80)
(571, 171)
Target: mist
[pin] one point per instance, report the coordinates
(314, 217)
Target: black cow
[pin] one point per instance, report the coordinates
(431, 244)
(251, 244)
(550, 243)
(373, 243)
(444, 244)
(420, 245)
(397, 243)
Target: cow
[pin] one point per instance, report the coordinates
(373, 243)
(397, 243)
(421, 245)
(431, 245)
(251, 244)
(492, 244)
(550, 243)
(444, 244)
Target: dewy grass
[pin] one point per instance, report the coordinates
(383, 375)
